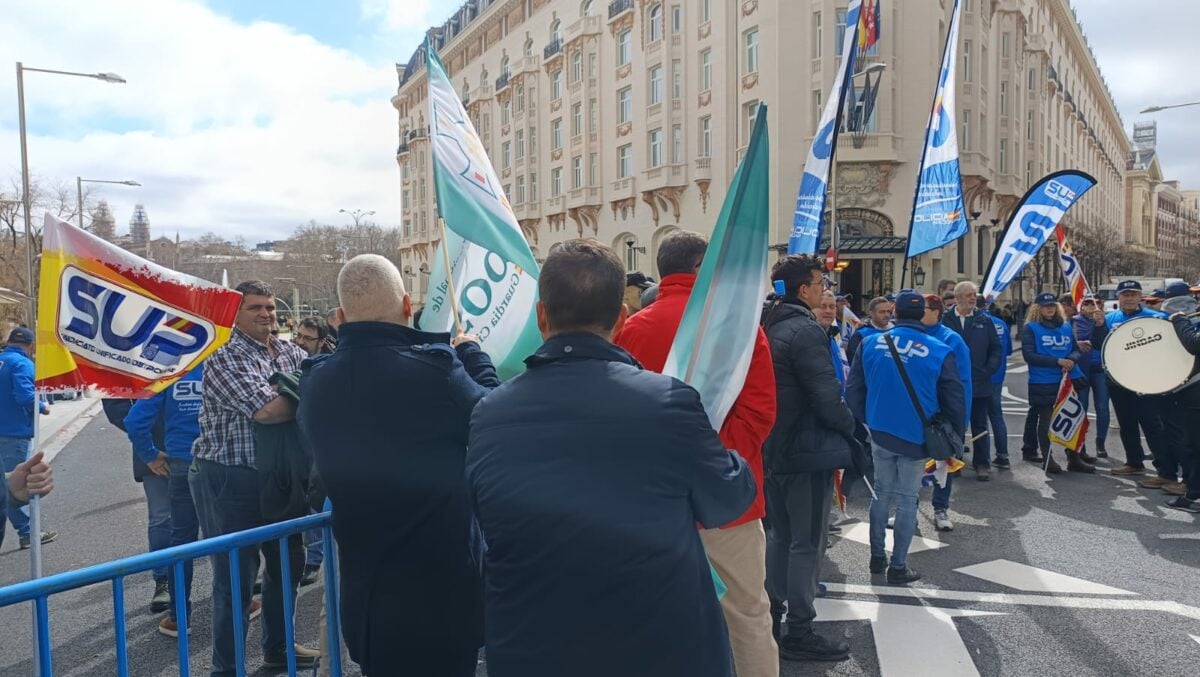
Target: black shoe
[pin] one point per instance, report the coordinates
(902, 576)
(1033, 459)
(822, 590)
(983, 473)
(835, 529)
(1182, 503)
(1052, 467)
(311, 574)
(161, 600)
(879, 564)
(813, 647)
(1101, 453)
(1002, 462)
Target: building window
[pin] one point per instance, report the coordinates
(676, 19)
(586, 8)
(967, 5)
(656, 85)
(870, 125)
(1004, 98)
(676, 79)
(706, 70)
(818, 35)
(1005, 47)
(505, 112)
(1003, 156)
(556, 182)
(556, 85)
(592, 65)
(532, 141)
(705, 14)
(533, 187)
(592, 170)
(654, 21)
(816, 97)
(983, 137)
(556, 31)
(624, 47)
(751, 43)
(706, 136)
(625, 105)
(520, 142)
(556, 137)
(577, 66)
(748, 113)
(519, 97)
(520, 190)
(1032, 79)
(966, 62)
(965, 141)
(1029, 125)
(506, 155)
(983, 67)
(577, 172)
(625, 161)
(677, 144)
(528, 51)
(576, 119)
(656, 139)
(507, 188)
(593, 114)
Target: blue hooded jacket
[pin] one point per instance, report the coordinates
(1005, 336)
(16, 393)
(180, 404)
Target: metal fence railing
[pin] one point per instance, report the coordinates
(39, 591)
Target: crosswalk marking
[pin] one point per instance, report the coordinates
(860, 532)
(1032, 579)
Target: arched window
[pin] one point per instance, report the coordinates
(654, 20)
(529, 47)
(586, 8)
(503, 66)
(556, 31)
(483, 78)
(466, 88)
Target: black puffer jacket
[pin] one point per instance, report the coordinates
(813, 426)
(1188, 335)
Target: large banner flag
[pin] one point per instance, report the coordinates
(1030, 225)
(939, 216)
(494, 271)
(1071, 270)
(716, 336)
(809, 219)
(1069, 423)
(124, 325)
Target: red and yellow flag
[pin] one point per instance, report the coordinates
(1069, 424)
(117, 322)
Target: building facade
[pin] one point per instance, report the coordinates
(625, 120)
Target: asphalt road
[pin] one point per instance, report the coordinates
(1075, 574)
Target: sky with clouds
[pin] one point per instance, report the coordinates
(249, 117)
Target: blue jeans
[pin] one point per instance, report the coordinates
(227, 501)
(13, 452)
(314, 542)
(1099, 384)
(996, 417)
(185, 526)
(897, 479)
(158, 516)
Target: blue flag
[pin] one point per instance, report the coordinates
(939, 216)
(1031, 225)
(809, 220)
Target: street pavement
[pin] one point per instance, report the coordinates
(1072, 574)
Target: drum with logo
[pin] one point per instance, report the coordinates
(1144, 355)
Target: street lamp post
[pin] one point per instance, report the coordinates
(79, 181)
(1155, 109)
(357, 214)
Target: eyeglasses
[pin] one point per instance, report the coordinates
(302, 337)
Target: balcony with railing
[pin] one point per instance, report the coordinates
(588, 25)
(703, 167)
(553, 49)
(502, 81)
(618, 7)
(402, 148)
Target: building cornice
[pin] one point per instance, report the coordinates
(1066, 16)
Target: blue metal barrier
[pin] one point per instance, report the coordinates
(39, 590)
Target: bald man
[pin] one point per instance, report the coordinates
(386, 416)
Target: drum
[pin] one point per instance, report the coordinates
(1144, 355)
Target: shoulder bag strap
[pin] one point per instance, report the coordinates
(912, 393)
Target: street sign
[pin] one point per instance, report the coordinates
(830, 259)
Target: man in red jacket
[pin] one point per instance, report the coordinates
(737, 550)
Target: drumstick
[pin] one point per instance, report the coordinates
(977, 437)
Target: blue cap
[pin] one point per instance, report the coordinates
(908, 299)
(1046, 299)
(1127, 285)
(1176, 289)
(21, 335)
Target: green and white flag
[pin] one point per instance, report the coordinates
(495, 273)
(716, 337)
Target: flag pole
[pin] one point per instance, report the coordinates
(450, 279)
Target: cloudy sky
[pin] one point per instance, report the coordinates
(248, 117)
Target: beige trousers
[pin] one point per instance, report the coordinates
(739, 555)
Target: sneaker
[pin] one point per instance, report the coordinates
(879, 564)
(1101, 453)
(311, 574)
(1153, 482)
(942, 521)
(1128, 470)
(983, 473)
(1175, 489)
(813, 647)
(255, 608)
(161, 600)
(168, 627)
(1182, 503)
(822, 590)
(902, 576)
(1002, 462)
(305, 658)
(47, 537)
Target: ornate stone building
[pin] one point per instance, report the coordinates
(625, 120)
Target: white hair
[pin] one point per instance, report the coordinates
(965, 287)
(370, 288)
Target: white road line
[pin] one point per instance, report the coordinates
(860, 532)
(1196, 638)
(1032, 579)
(1008, 395)
(1099, 603)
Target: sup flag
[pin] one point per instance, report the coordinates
(937, 472)
(939, 215)
(809, 219)
(495, 273)
(117, 322)
(1069, 424)
(1036, 216)
(1070, 268)
(850, 324)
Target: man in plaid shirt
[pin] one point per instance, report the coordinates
(224, 479)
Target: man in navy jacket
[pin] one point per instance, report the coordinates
(976, 330)
(588, 475)
(386, 417)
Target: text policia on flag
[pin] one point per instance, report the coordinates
(809, 220)
(716, 336)
(1071, 271)
(939, 216)
(494, 271)
(1030, 225)
(124, 325)
(1069, 424)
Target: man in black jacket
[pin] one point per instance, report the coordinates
(977, 330)
(1187, 403)
(812, 437)
(386, 416)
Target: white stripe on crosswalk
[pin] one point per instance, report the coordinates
(1032, 579)
(860, 532)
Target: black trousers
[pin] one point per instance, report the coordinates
(1037, 431)
(1136, 412)
(1193, 445)
(798, 511)
(981, 451)
(1177, 462)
